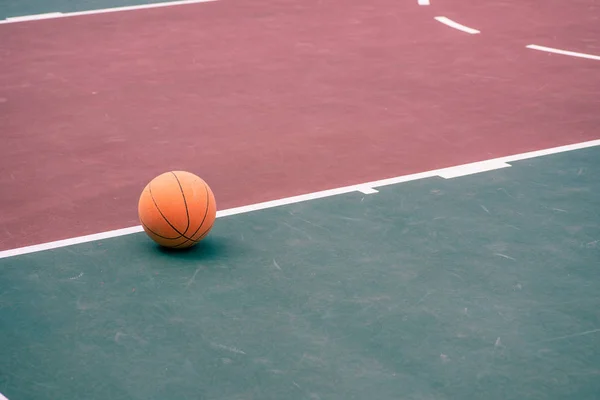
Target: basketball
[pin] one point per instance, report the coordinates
(177, 209)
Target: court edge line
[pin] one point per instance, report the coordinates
(470, 169)
(446, 173)
(54, 15)
(563, 52)
(456, 25)
(34, 17)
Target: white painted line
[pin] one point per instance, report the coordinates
(456, 25)
(423, 2)
(367, 190)
(312, 196)
(33, 18)
(70, 242)
(2, 397)
(563, 52)
(53, 15)
(473, 168)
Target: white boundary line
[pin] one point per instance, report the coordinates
(423, 2)
(563, 52)
(367, 188)
(470, 169)
(32, 18)
(53, 15)
(456, 25)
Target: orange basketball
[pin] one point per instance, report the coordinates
(177, 209)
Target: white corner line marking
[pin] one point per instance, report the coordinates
(446, 173)
(563, 52)
(53, 15)
(423, 2)
(456, 25)
(366, 190)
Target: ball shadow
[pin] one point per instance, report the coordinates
(210, 248)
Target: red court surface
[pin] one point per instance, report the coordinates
(273, 98)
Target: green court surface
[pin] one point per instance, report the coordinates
(11, 9)
(479, 287)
